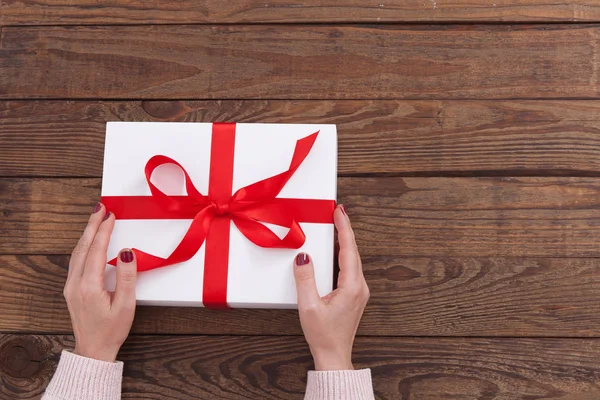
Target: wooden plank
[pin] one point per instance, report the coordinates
(196, 367)
(446, 217)
(66, 138)
(409, 297)
(300, 62)
(86, 12)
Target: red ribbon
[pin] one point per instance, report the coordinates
(211, 215)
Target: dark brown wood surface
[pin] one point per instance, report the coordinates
(66, 138)
(524, 217)
(82, 12)
(469, 161)
(300, 62)
(409, 297)
(247, 367)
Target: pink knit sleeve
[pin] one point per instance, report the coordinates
(339, 385)
(81, 378)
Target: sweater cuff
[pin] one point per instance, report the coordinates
(78, 377)
(339, 385)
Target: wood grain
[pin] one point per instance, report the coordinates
(90, 12)
(66, 138)
(199, 367)
(409, 297)
(521, 217)
(300, 62)
(473, 265)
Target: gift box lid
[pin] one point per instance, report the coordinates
(256, 277)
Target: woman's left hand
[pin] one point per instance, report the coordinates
(101, 319)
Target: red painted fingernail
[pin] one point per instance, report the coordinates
(126, 256)
(302, 259)
(343, 209)
(97, 208)
(107, 216)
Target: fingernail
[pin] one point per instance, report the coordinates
(97, 208)
(302, 259)
(107, 216)
(343, 209)
(126, 256)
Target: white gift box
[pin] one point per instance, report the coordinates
(257, 277)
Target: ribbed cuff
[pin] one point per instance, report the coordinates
(78, 378)
(339, 385)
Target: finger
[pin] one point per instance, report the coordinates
(80, 252)
(349, 259)
(95, 264)
(306, 286)
(126, 277)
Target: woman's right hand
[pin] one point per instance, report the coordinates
(330, 323)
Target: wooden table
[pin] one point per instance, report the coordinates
(469, 137)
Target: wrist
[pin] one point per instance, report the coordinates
(333, 362)
(96, 354)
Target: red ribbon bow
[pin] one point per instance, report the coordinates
(211, 215)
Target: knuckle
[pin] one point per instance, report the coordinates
(355, 291)
(128, 276)
(366, 293)
(305, 276)
(85, 289)
(81, 247)
(67, 293)
(96, 246)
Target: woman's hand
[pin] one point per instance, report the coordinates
(101, 319)
(330, 323)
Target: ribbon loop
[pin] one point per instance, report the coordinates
(173, 203)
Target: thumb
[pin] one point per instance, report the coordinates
(126, 278)
(306, 286)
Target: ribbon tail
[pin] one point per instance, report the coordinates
(145, 261)
(278, 211)
(262, 236)
(269, 188)
(189, 245)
